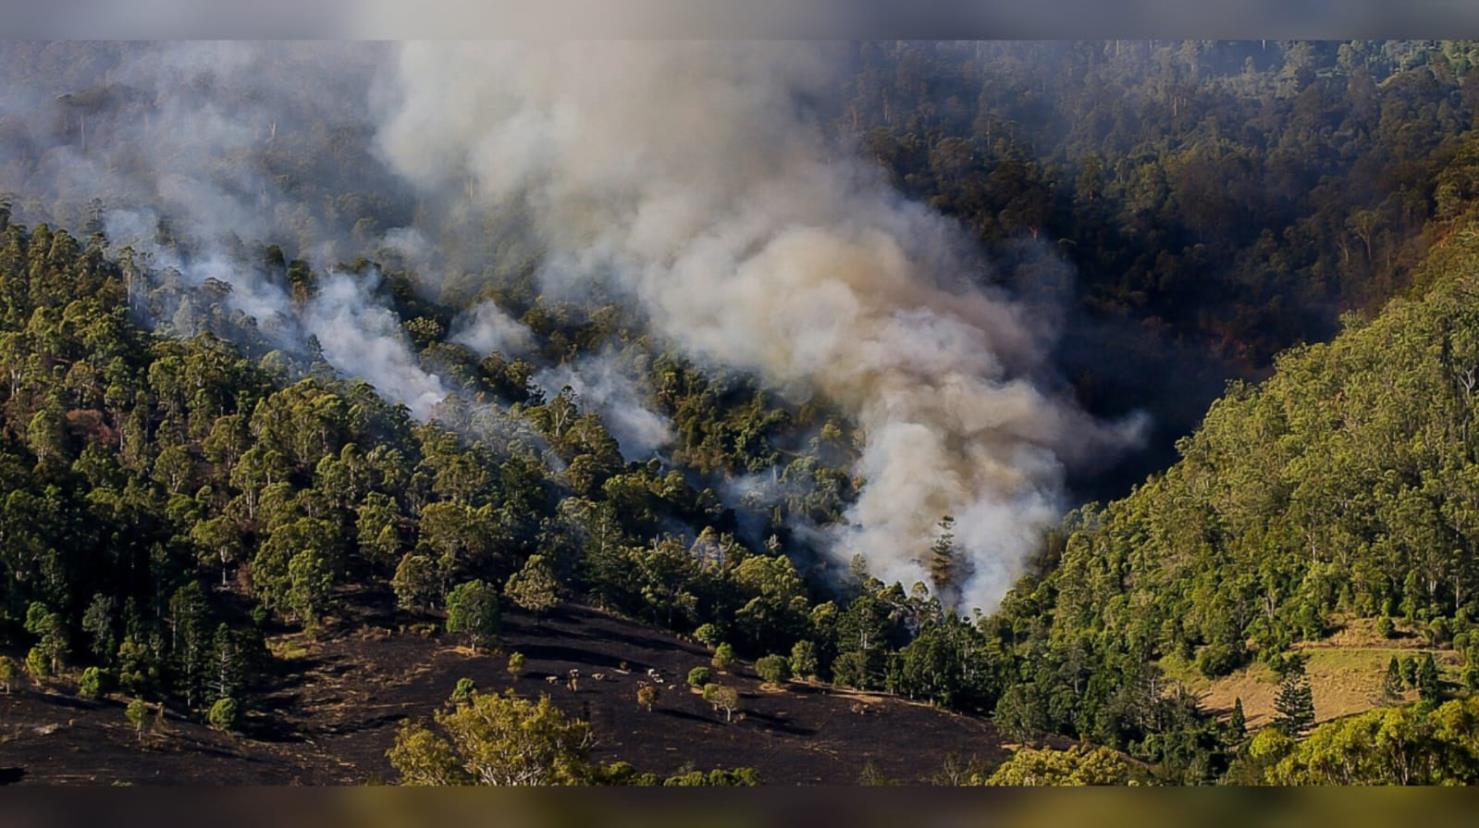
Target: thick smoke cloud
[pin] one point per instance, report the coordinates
(691, 179)
(694, 181)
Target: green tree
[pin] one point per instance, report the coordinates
(774, 669)
(1385, 627)
(1391, 683)
(311, 585)
(377, 528)
(417, 582)
(224, 714)
(90, 686)
(472, 611)
(515, 664)
(804, 659)
(1295, 702)
(495, 740)
(1429, 688)
(534, 587)
(945, 563)
(722, 697)
(50, 629)
(137, 713)
(1237, 722)
(723, 657)
(1077, 766)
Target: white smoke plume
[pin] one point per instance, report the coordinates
(692, 178)
(487, 328)
(355, 333)
(363, 339)
(603, 382)
(201, 158)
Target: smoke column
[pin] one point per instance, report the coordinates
(693, 180)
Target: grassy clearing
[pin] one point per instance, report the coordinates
(1344, 680)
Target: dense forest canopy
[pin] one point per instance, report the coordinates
(257, 372)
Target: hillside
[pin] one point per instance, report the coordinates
(332, 712)
(307, 417)
(1342, 490)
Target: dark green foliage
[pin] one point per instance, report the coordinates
(774, 669)
(472, 611)
(1341, 485)
(1429, 688)
(1385, 627)
(1422, 744)
(1218, 659)
(804, 660)
(1391, 683)
(1295, 703)
(162, 500)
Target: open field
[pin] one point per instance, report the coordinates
(1346, 672)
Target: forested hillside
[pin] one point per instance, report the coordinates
(171, 503)
(333, 407)
(1217, 201)
(1343, 487)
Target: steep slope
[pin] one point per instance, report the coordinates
(1343, 487)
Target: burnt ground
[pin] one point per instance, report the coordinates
(333, 712)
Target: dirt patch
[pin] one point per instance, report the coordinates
(334, 713)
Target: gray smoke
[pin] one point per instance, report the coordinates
(604, 382)
(692, 179)
(488, 329)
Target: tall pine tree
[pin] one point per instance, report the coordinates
(1295, 703)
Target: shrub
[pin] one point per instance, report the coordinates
(698, 676)
(775, 669)
(137, 714)
(1216, 660)
(37, 664)
(1385, 627)
(223, 714)
(804, 659)
(464, 690)
(708, 634)
(91, 685)
(515, 664)
(723, 657)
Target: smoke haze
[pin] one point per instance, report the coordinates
(691, 179)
